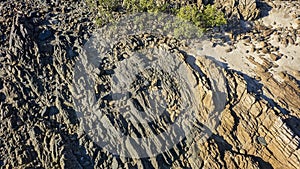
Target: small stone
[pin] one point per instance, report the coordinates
(248, 40)
(263, 44)
(277, 38)
(296, 73)
(274, 57)
(294, 16)
(242, 151)
(228, 50)
(262, 141)
(284, 42)
(282, 75)
(272, 49)
(268, 32)
(265, 50)
(280, 54)
(261, 68)
(291, 40)
(261, 27)
(252, 49)
(258, 78)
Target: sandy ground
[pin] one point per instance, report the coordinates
(237, 58)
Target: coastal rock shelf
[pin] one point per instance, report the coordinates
(258, 125)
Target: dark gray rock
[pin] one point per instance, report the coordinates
(1, 84)
(2, 97)
(262, 141)
(45, 34)
(244, 9)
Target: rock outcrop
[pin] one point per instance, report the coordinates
(243, 9)
(258, 128)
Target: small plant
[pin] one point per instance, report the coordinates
(110, 5)
(203, 18)
(143, 6)
(212, 17)
(207, 18)
(190, 13)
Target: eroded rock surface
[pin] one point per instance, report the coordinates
(259, 126)
(243, 9)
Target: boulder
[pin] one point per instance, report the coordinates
(274, 57)
(243, 9)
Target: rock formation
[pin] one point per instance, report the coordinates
(40, 43)
(243, 9)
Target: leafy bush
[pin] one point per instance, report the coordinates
(190, 13)
(204, 18)
(207, 18)
(212, 17)
(143, 6)
(110, 5)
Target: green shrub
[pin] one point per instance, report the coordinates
(212, 17)
(143, 6)
(207, 18)
(110, 5)
(204, 18)
(190, 13)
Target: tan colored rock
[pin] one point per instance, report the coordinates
(244, 9)
(274, 57)
(258, 127)
(297, 21)
(263, 44)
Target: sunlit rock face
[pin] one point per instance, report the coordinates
(173, 105)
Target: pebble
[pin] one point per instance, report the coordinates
(262, 141)
(265, 50)
(242, 151)
(296, 73)
(267, 33)
(284, 41)
(262, 44)
(282, 74)
(291, 40)
(274, 57)
(248, 40)
(252, 49)
(261, 68)
(228, 50)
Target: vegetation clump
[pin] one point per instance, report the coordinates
(203, 17)
(206, 18)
